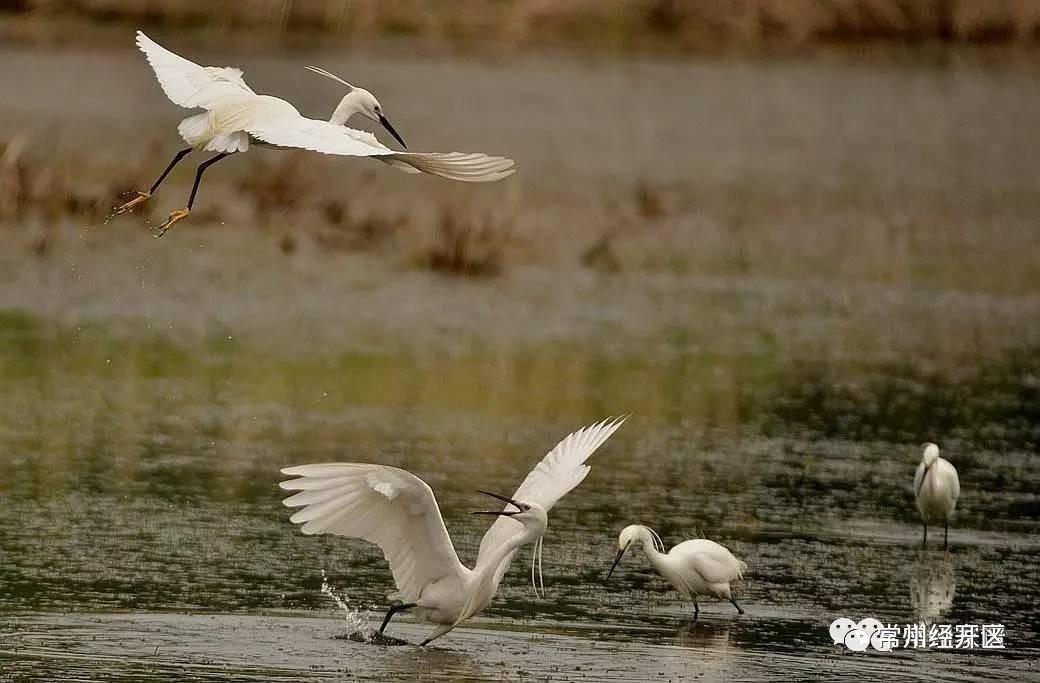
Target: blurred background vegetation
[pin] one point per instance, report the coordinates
(662, 25)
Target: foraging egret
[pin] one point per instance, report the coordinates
(397, 511)
(694, 567)
(236, 117)
(936, 489)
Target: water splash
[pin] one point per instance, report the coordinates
(356, 620)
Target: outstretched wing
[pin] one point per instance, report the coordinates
(387, 506)
(331, 138)
(189, 84)
(560, 470)
(317, 136)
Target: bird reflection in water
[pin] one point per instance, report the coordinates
(932, 586)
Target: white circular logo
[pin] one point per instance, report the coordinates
(856, 640)
(840, 628)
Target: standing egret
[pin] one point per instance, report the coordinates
(695, 567)
(236, 117)
(397, 511)
(936, 489)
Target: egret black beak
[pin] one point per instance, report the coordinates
(386, 124)
(620, 554)
(504, 499)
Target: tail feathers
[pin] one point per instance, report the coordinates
(196, 132)
(229, 142)
(195, 129)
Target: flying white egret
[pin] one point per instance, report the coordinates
(397, 511)
(936, 489)
(694, 567)
(237, 117)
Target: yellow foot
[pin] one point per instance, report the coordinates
(141, 198)
(175, 217)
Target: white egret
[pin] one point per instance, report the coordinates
(397, 511)
(694, 567)
(237, 117)
(936, 489)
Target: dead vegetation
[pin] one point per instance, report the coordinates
(654, 24)
(275, 195)
(47, 191)
(467, 242)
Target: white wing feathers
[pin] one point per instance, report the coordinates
(189, 84)
(384, 505)
(331, 138)
(277, 123)
(318, 136)
(471, 168)
(716, 569)
(560, 470)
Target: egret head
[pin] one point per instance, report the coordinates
(531, 515)
(535, 520)
(359, 101)
(368, 106)
(931, 454)
(635, 533)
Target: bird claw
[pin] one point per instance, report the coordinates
(141, 198)
(175, 217)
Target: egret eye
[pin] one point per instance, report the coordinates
(527, 507)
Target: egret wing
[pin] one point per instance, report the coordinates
(559, 471)
(717, 565)
(918, 479)
(332, 138)
(384, 505)
(471, 167)
(955, 481)
(189, 84)
(318, 136)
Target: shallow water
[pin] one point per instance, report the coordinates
(144, 536)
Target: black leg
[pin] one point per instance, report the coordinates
(176, 159)
(740, 610)
(924, 542)
(394, 609)
(696, 609)
(202, 169)
(946, 537)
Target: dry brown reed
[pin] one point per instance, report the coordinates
(467, 241)
(674, 24)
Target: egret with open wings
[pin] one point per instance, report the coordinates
(235, 117)
(397, 511)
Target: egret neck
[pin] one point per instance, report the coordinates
(347, 107)
(485, 580)
(657, 558)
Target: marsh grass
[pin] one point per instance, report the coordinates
(653, 24)
(52, 189)
(748, 228)
(467, 241)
